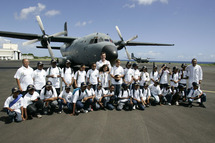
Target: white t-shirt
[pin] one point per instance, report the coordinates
(165, 91)
(90, 92)
(146, 93)
(49, 94)
(68, 75)
(155, 90)
(194, 73)
(80, 76)
(164, 77)
(137, 94)
(15, 106)
(39, 77)
(194, 93)
(109, 93)
(182, 80)
(144, 78)
(117, 71)
(56, 80)
(100, 93)
(104, 78)
(126, 93)
(154, 77)
(25, 76)
(174, 77)
(99, 64)
(29, 98)
(136, 74)
(128, 74)
(76, 96)
(67, 96)
(93, 76)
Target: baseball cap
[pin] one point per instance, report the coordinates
(53, 61)
(99, 84)
(88, 83)
(135, 64)
(68, 61)
(67, 86)
(40, 63)
(30, 87)
(83, 84)
(195, 84)
(48, 83)
(15, 89)
(137, 83)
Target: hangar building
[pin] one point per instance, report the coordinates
(10, 52)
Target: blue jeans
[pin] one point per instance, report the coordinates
(117, 88)
(140, 105)
(79, 105)
(14, 115)
(87, 104)
(61, 103)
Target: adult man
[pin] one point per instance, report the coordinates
(24, 76)
(117, 73)
(39, 77)
(54, 75)
(194, 73)
(103, 61)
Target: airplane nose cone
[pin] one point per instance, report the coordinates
(111, 53)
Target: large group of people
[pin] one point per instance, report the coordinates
(102, 87)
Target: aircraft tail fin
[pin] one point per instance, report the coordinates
(65, 29)
(132, 55)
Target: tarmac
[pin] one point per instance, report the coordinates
(178, 124)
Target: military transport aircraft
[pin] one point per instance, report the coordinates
(84, 50)
(139, 60)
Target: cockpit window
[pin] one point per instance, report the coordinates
(101, 39)
(107, 40)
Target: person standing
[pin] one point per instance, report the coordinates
(194, 73)
(154, 75)
(93, 76)
(54, 75)
(144, 77)
(39, 77)
(164, 72)
(67, 75)
(24, 76)
(117, 73)
(80, 76)
(128, 78)
(103, 61)
(104, 77)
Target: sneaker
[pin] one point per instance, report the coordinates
(147, 105)
(169, 104)
(85, 111)
(134, 107)
(39, 116)
(91, 109)
(190, 105)
(176, 103)
(82, 110)
(59, 112)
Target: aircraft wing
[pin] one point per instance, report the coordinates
(29, 36)
(131, 43)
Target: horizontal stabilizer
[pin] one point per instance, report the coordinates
(55, 48)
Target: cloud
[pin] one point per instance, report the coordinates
(52, 13)
(32, 10)
(129, 6)
(150, 54)
(149, 2)
(84, 23)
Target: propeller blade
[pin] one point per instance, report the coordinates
(131, 39)
(58, 34)
(128, 55)
(50, 50)
(30, 42)
(119, 33)
(40, 24)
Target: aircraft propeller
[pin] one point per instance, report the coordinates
(122, 43)
(44, 37)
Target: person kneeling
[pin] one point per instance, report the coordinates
(125, 100)
(33, 106)
(14, 106)
(196, 94)
(137, 97)
(99, 99)
(49, 96)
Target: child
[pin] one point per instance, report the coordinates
(136, 74)
(167, 94)
(39, 77)
(99, 99)
(163, 73)
(196, 94)
(93, 76)
(137, 97)
(49, 96)
(65, 99)
(104, 77)
(125, 100)
(89, 99)
(14, 106)
(67, 75)
(146, 94)
(174, 79)
(155, 92)
(32, 103)
(110, 98)
(144, 77)
(80, 76)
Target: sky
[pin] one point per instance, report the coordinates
(189, 24)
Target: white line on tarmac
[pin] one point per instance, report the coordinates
(208, 91)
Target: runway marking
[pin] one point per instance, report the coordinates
(208, 91)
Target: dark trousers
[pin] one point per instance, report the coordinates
(117, 89)
(35, 107)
